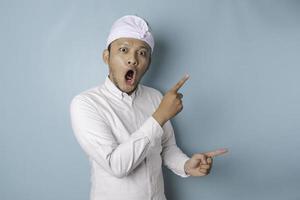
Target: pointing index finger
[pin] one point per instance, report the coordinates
(216, 152)
(180, 83)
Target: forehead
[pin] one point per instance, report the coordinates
(131, 42)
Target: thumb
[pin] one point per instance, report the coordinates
(200, 157)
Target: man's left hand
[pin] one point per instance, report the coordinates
(200, 164)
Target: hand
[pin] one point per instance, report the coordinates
(171, 104)
(200, 164)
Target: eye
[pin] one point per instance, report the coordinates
(143, 53)
(123, 49)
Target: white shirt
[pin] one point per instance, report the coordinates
(126, 146)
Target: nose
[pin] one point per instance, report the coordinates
(131, 60)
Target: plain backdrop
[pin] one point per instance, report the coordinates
(243, 92)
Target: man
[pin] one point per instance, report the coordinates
(124, 127)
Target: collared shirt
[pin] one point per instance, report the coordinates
(125, 145)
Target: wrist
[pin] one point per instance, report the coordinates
(186, 167)
(161, 120)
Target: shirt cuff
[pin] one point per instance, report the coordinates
(181, 166)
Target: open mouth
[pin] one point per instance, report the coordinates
(129, 77)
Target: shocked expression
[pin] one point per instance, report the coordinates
(128, 60)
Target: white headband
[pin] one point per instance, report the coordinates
(131, 26)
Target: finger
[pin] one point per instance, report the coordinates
(200, 157)
(180, 83)
(203, 171)
(204, 166)
(216, 152)
(209, 160)
(199, 174)
(179, 95)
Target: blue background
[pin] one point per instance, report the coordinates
(243, 93)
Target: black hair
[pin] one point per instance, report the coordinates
(108, 48)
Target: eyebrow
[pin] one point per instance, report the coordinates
(142, 46)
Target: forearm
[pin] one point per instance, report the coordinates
(175, 160)
(128, 155)
(96, 138)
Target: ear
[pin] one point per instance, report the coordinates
(105, 56)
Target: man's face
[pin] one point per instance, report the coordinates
(128, 60)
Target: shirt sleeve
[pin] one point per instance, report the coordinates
(95, 137)
(172, 155)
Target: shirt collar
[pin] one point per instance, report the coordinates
(117, 92)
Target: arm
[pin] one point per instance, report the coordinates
(96, 139)
(170, 105)
(199, 164)
(172, 156)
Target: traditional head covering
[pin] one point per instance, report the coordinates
(131, 26)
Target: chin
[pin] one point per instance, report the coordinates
(129, 89)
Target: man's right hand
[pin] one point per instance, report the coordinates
(171, 104)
